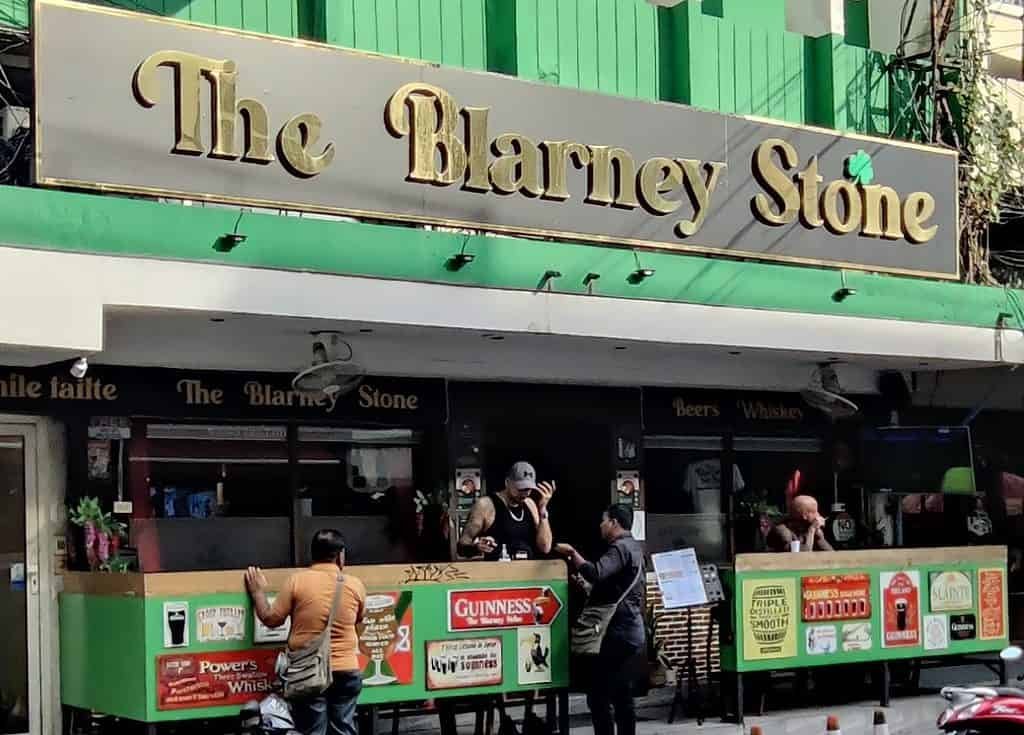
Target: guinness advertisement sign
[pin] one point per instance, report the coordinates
(120, 391)
(225, 116)
(962, 627)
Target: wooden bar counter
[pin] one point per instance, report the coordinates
(174, 646)
(791, 610)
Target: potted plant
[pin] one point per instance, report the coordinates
(755, 516)
(102, 536)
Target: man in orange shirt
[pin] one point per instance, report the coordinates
(306, 599)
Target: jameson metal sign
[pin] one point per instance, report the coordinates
(168, 108)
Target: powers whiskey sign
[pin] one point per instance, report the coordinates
(225, 116)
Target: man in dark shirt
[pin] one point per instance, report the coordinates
(803, 530)
(617, 575)
(510, 519)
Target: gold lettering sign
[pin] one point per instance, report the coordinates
(430, 118)
(190, 71)
(844, 207)
(684, 409)
(452, 145)
(768, 411)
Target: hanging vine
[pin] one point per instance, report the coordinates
(953, 100)
(991, 154)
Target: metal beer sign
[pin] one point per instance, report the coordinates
(492, 609)
(836, 597)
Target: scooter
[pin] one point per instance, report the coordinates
(985, 710)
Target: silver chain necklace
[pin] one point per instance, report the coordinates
(522, 512)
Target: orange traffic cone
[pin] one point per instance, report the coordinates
(832, 726)
(881, 726)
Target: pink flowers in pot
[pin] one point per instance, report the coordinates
(102, 535)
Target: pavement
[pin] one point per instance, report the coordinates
(907, 716)
(801, 713)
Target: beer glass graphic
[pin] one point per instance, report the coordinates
(901, 614)
(378, 636)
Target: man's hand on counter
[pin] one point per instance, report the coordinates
(255, 581)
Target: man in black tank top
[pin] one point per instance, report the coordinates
(510, 520)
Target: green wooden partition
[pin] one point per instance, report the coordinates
(818, 609)
(165, 647)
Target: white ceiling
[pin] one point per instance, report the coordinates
(248, 342)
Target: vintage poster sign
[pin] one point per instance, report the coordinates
(263, 634)
(468, 482)
(901, 608)
(936, 632)
(836, 597)
(385, 639)
(963, 627)
(627, 485)
(856, 636)
(991, 604)
(493, 609)
(214, 115)
(821, 639)
(218, 679)
(533, 655)
(769, 609)
(951, 591)
(221, 623)
(176, 626)
(463, 662)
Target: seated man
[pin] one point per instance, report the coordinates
(804, 526)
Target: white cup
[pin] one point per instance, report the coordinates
(794, 546)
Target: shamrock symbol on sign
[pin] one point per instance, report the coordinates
(859, 168)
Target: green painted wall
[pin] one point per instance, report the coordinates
(769, 15)
(724, 61)
(14, 13)
(450, 32)
(740, 68)
(606, 46)
(68, 222)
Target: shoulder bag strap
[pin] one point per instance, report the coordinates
(639, 573)
(334, 604)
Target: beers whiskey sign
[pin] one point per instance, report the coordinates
(168, 108)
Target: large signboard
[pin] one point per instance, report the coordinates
(493, 609)
(215, 679)
(992, 601)
(901, 608)
(464, 662)
(836, 597)
(218, 115)
(771, 618)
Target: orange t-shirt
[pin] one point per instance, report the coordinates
(307, 597)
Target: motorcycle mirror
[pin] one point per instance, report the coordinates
(1013, 653)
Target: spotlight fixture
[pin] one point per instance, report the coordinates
(79, 368)
(549, 276)
(230, 240)
(844, 291)
(461, 258)
(641, 274)
(588, 281)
